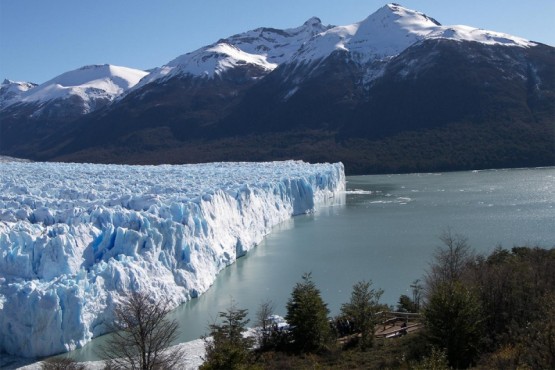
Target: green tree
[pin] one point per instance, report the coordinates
(406, 304)
(453, 321)
(227, 347)
(437, 360)
(362, 309)
(141, 335)
(307, 314)
(538, 338)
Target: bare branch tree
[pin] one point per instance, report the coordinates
(417, 289)
(449, 260)
(61, 363)
(264, 323)
(141, 336)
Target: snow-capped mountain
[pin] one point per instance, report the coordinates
(10, 91)
(382, 35)
(261, 48)
(389, 31)
(306, 92)
(80, 91)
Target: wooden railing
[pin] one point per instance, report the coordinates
(394, 324)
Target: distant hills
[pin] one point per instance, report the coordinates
(396, 92)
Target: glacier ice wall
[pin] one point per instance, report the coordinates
(74, 238)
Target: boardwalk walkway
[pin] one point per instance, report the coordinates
(392, 325)
(395, 324)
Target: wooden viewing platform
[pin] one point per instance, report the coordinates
(392, 325)
(395, 324)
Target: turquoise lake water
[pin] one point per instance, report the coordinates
(386, 230)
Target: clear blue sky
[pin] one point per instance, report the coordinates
(40, 39)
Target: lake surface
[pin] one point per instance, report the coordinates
(386, 230)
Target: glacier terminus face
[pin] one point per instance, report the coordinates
(75, 238)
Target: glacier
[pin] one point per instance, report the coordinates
(74, 238)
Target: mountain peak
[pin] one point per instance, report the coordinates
(406, 18)
(18, 83)
(383, 34)
(10, 91)
(390, 30)
(90, 83)
(264, 48)
(406, 12)
(94, 66)
(314, 21)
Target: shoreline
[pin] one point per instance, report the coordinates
(192, 359)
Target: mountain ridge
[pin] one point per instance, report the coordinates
(329, 93)
(390, 16)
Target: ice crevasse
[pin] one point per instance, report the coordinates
(75, 238)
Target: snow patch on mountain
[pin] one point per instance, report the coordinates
(383, 34)
(264, 48)
(466, 33)
(209, 61)
(216, 59)
(89, 83)
(275, 45)
(373, 42)
(75, 238)
(5, 158)
(391, 30)
(10, 91)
